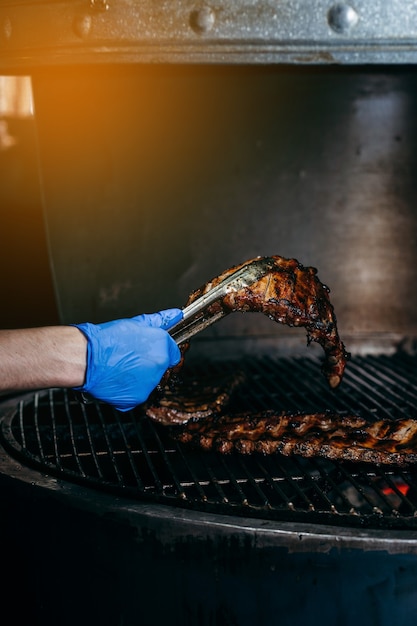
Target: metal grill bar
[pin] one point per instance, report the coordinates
(167, 462)
(91, 444)
(74, 449)
(215, 482)
(55, 438)
(129, 455)
(109, 448)
(406, 380)
(379, 398)
(237, 485)
(275, 485)
(328, 478)
(127, 448)
(296, 490)
(37, 429)
(194, 479)
(143, 449)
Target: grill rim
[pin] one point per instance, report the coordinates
(339, 518)
(178, 522)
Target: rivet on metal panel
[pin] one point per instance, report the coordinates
(202, 20)
(82, 25)
(99, 5)
(342, 17)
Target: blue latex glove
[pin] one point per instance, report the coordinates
(127, 358)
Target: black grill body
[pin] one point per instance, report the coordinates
(90, 557)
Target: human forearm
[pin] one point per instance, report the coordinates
(36, 358)
(118, 362)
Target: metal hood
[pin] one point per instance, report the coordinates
(47, 32)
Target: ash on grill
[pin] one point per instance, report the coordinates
(129, 455)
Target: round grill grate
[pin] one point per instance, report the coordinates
(128, 455)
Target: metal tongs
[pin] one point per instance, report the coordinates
(196, 315)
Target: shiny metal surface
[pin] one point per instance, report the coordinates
(42, 32)
(196, 317)
(192, 170)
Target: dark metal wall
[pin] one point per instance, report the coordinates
(156, 178)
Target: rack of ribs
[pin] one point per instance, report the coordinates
(286, 292)
(328, 435)
(193, 397)
(292, 294)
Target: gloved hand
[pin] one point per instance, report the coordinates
(127, 358)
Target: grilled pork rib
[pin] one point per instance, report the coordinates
(346, 438)
(287, 293)
(194, 398)
(290, 294)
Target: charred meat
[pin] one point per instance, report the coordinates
(194, 397)
(291, 294)
(288, 293)
(328, 435)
